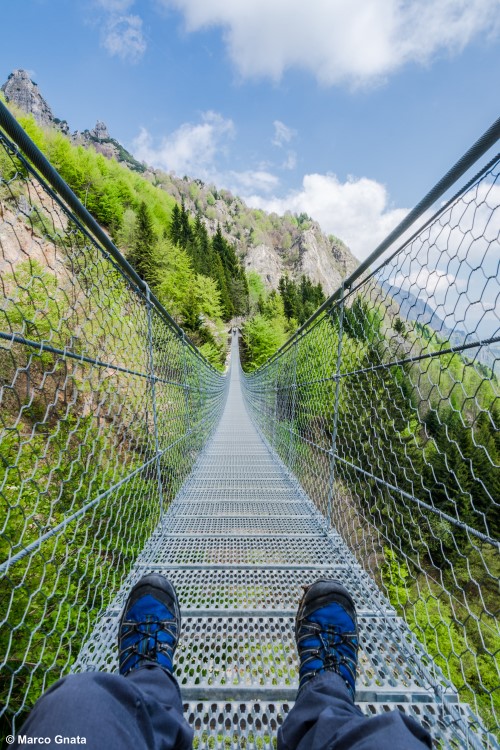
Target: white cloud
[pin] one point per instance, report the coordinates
(340, 40)
(431, 282)
(122, 34)
(260, 180)
(123, 37)
(290, 161)
(357, 210)
(282, 137)
(282, 133)
(191, 149)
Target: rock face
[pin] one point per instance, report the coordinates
(323, 259)
(23, 92)
(100, 139)
(100, 132)
(270, 244)
(313, 255)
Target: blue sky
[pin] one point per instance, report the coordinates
(348, 109)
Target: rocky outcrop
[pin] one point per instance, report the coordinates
(267, 262)
(313, 255)
(323, 259)
(24, 93)
(100, 139)
(100, 132)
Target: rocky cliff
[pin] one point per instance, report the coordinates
(270, 244)
(25, 94)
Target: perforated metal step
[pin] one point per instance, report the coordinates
(239, 542)
(241, 525)
(242, 508)
(251, 589)
(256, 656)
(253, 725)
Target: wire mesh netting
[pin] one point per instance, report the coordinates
(104, 407)
(386, 408)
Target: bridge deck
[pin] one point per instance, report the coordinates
(238, 542)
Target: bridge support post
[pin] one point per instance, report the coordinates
(274, 415)
(333, 449)
(186, 387)
(291, 445)
(153, 400)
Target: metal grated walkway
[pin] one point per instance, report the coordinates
(238, 542)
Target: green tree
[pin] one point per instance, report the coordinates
(262, 337)
(141, 256)
(175, 229)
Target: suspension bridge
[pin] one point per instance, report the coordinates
(123, 452)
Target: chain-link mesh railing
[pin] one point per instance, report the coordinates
(386, 406)
(104, 406)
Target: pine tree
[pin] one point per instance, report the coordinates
(141, 257)
(175, 225)
(185, 227)
(200, 248)
(236, 285)
(219, 276)
(291, 300)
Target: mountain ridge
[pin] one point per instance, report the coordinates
(270, 244)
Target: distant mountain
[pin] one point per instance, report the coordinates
(270, 244)
(413, 308)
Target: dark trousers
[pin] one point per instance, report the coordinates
(324, 717)
(143, 711)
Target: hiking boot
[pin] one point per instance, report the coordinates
(149, 626)
(327, 633)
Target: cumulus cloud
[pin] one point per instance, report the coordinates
(340, 40)
(191, 149)
(357, 210)
(123, 37)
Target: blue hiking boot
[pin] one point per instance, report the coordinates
(326, 632)
(149, 626)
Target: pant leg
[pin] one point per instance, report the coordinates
(141, 711)
(324, 717)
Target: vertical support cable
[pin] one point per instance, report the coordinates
(333, 449)
(292, 415)
(186, 388)
(153, 399)
(275, 407)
